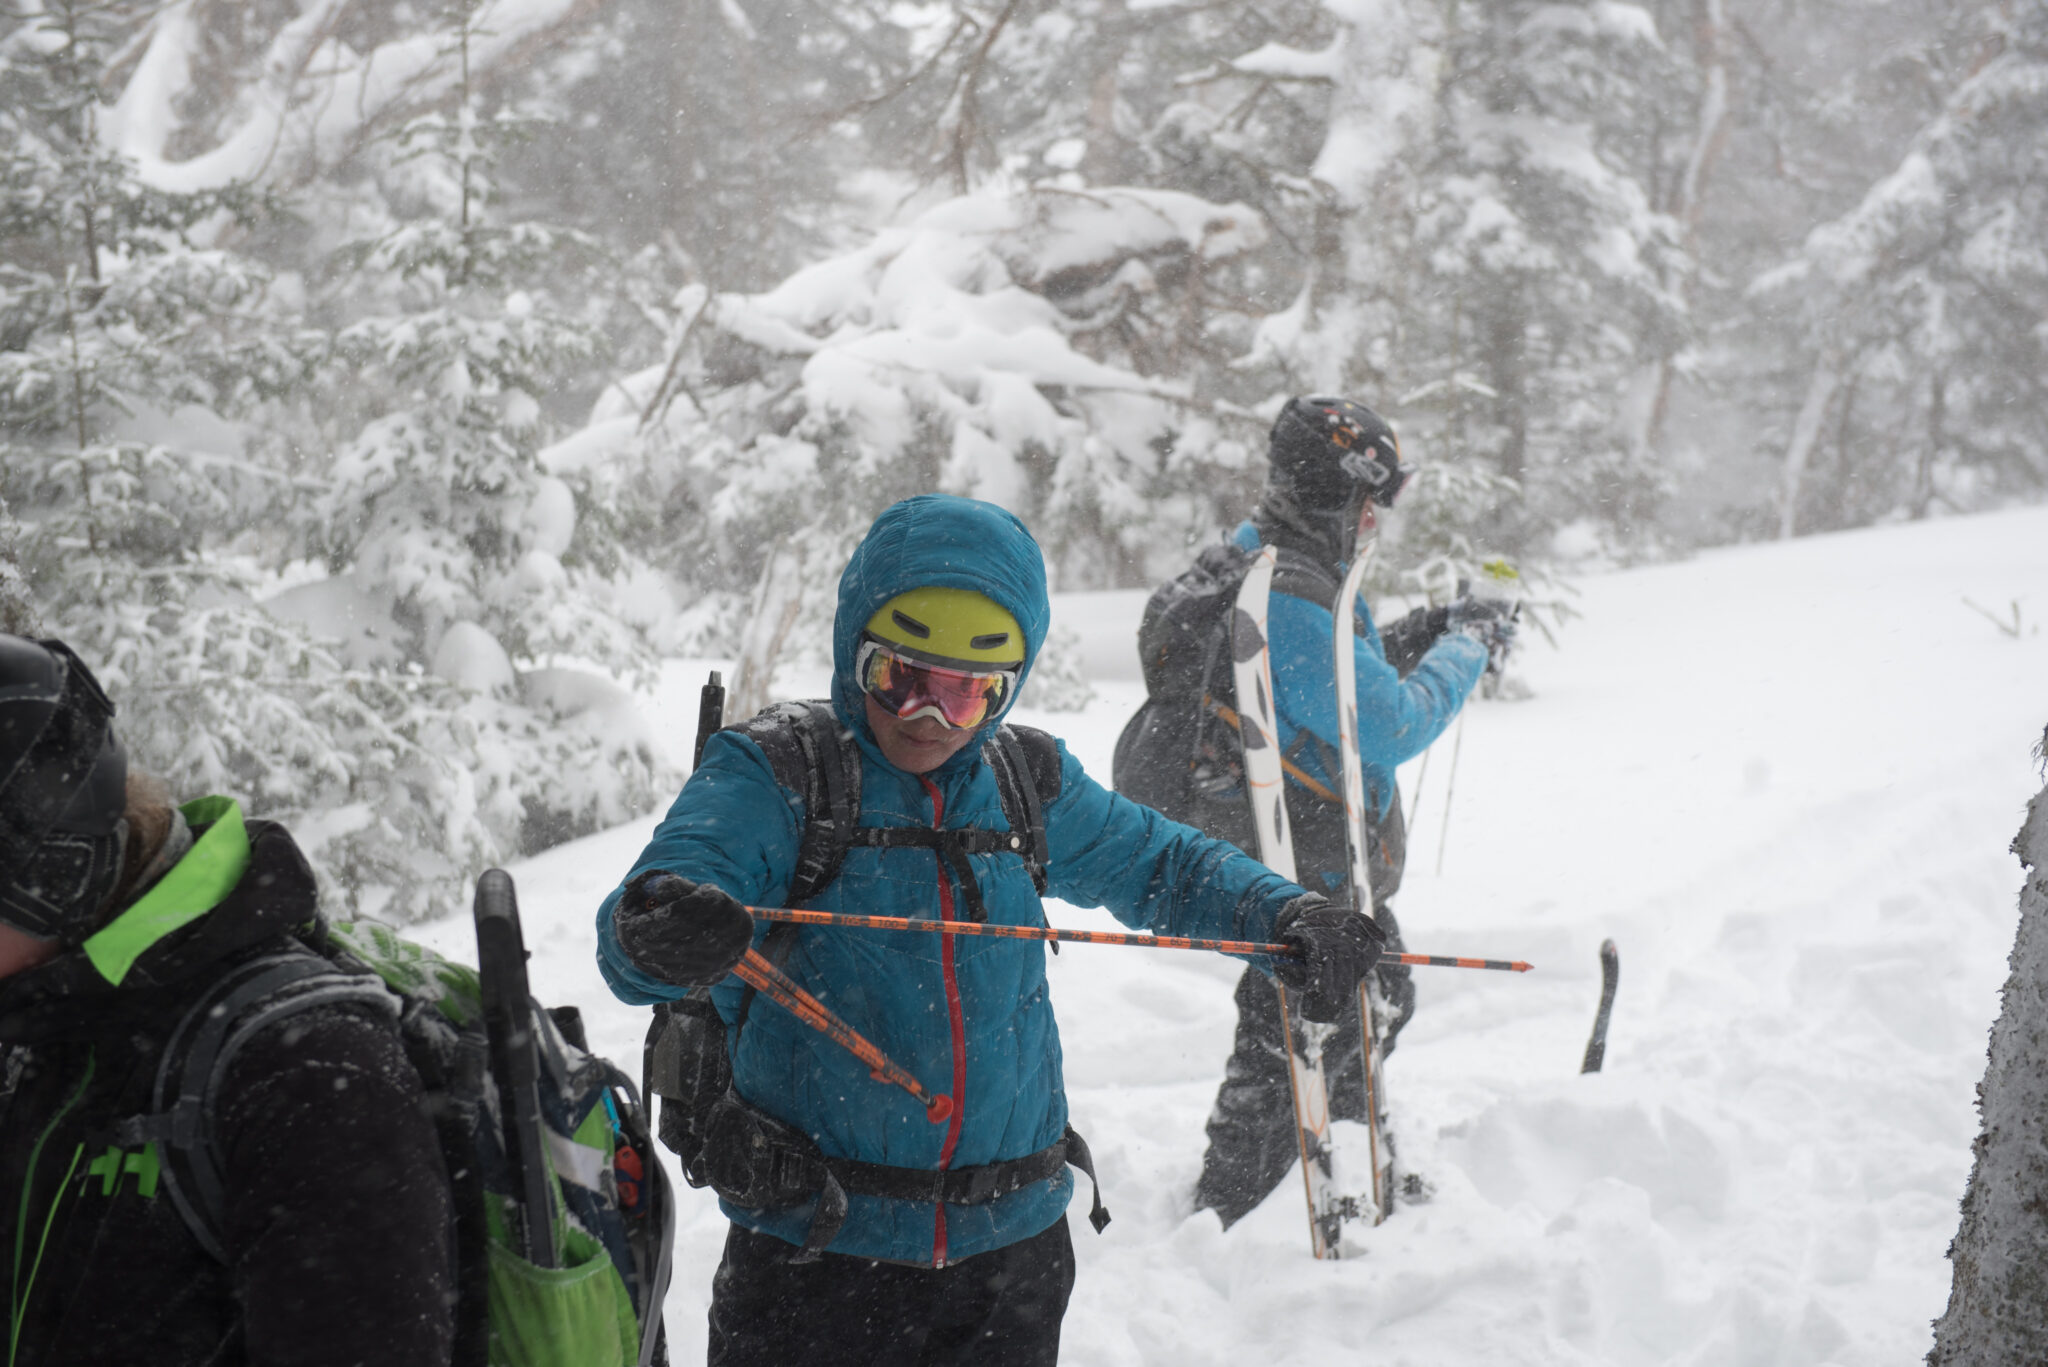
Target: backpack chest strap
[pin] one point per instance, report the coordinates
(953, 847)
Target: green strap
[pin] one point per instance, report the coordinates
(19, 1289)
(115, 1163)
(195, 885)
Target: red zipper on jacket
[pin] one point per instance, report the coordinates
(957, 1019)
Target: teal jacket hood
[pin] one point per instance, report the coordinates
(937, 541)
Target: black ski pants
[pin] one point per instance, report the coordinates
(997, 1309)
(1252, 1142)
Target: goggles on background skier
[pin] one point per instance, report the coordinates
(1381, 474)
(909, 687)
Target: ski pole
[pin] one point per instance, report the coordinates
(1104, 937)
(771, 982)
(1450, 791)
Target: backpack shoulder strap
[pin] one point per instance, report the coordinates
(810, 754)
(1026, 762)
(1301, 576)
(251, 997)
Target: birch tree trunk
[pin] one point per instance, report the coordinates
(1688, 203)
(1820, 392)
(778, 601)
(1998, 1301)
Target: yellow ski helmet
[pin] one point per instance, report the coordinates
(956, 627)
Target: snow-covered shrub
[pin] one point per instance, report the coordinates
(1033, 347)
(480, 566)
(1058, 682)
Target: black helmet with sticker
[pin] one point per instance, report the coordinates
(63, 789)
(1330, 455)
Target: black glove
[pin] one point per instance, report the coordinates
(1338, 948)
(1489, 622)
(681, 932)
(1409, 638)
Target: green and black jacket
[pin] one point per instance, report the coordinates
(337, 1218)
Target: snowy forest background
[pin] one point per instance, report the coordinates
(386, 388)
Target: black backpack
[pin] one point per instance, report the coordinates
(1180, 754)
(687, 1064)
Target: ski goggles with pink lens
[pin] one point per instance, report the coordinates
(909, 687)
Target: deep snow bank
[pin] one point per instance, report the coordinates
(1784, 778)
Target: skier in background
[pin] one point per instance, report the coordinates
(1332, 462)
(118, 912)
(951, 1239)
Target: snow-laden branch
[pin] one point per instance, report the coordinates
(313, 99)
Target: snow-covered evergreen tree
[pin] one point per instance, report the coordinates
(129, 353)
(152, 443)
(439, 521)
(716, 137)
(1491, 262)
(1923, 307)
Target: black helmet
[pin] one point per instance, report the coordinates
(63, 789)
(1330, 455)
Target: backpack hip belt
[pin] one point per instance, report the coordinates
(759, 1163)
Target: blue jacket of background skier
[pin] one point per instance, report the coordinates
(1397, 717)
(969, 1016)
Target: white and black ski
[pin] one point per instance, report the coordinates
(1373, 1012)
(1307, 1041)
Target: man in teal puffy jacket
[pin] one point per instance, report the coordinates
(941, 611)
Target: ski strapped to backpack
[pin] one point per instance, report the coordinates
(1375, 1013)
(612, 1218)
(1182, 751)
(756, 1161)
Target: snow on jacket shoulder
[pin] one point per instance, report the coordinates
(969, 1016)
(1397, 718)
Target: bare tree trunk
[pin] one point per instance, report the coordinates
(778, 600)
(1688, 203)
(1998, 1302)
(1505, 334)
(1923, 468)
(1102, 163)
(1820, 391)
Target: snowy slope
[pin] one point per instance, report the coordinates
(1784, 779)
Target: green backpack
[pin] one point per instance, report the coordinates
(613, 1214)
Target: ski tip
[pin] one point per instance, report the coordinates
(1608, 953)
(1522, 966)
(939, 1109)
